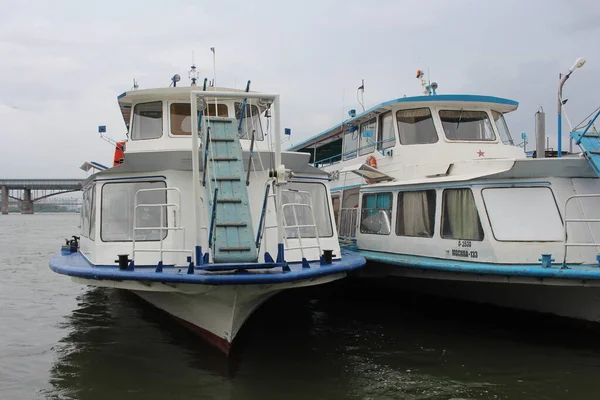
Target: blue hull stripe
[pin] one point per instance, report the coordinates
(579, 271)
(76, 265)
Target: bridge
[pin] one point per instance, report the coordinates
(28, 191)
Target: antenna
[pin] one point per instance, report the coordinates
(135, 85)
(361, 90)
(214, 66)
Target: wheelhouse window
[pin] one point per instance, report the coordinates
(147, 121)
(250, 122)
(181, 116)
(118, 207)
(466, 125)
(376, 214)
(502, 128)
(300, 201)
(508, 208)
(350, 144)
(416, 126)
(386, 137)
(415, 214)
(460, 219)
(368, 135)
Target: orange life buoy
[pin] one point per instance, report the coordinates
(371, 162)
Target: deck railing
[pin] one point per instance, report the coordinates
(578, 220)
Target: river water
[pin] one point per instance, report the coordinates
(61, 340)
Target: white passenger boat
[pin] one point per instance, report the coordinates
(200, 216)
(432, 189)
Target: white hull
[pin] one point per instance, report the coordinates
(216, 313)
(571, 299)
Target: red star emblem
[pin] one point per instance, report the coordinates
(480, 153)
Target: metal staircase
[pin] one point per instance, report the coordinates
(231, 236)
(588, 140)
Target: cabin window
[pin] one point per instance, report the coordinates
(92, 196)
(368, 137)
(416, 126)
(502, 128)
(350, 144)
(376, 214)
(466, 125)
(147, 121)
(118, 203)
(336, 202)
(298, 198)
(386, 136)
(250, 122)
(415, 213)
(460, 219)
(85, 212)
(523, 214)
(181, 116)
(349, 213)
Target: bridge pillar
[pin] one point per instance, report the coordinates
(27, 205)
(4, 200)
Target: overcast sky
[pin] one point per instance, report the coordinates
(62, 63)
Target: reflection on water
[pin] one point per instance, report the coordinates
(60, 340)
(344, 342)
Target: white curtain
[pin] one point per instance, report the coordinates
(462, 214)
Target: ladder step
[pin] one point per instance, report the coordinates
(231, 224)
(227, 178)
(594, 135)
(594, 152)
(217, 139)
(229, 200)
(224, 159)
(234, 248)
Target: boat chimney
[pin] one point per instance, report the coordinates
(540, 133)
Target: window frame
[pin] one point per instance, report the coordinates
(432, 114)
(485, 111)
(329, 213)
(350, 154)
(133, 120)
(511, 142)
(443, 215)
(258, 115)
(521, 187)
(433, 219)
(166, 215)
(381, 145)
(362, 209)
(369, 147)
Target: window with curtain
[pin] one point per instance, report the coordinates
(300, 196)
(415, 214)
(386, 135)
(502, 128)
(250, 122)
(460, 219)
(376, 214)
(368, 136)
(147, 121)
(416, 126)
(466, 125)
(180, 116)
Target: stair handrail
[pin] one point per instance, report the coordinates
(260, 231)
(250, 157)
(213, 217)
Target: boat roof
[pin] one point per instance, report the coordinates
(497, 103)
(126, 99)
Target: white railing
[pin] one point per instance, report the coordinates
(164, 207)
(297, 226)
(348, 222)
(585, 220)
